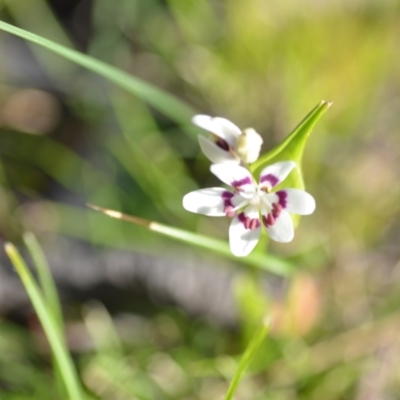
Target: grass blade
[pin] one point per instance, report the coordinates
(164, 102)
(45, 278)
(64, 361)
(258, 260)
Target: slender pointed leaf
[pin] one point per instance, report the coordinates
(49, 324)
(164, 102)
(45, 278)
(258, 260)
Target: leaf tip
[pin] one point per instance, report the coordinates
(106, 211)
(327, 104)
(121, 216)
(8, 247)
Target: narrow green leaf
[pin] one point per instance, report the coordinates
(49, 292)
(164, 102)
(250, 351)
(64, 361)
(258, 260)
(45, 278)
(292, 147)
(57, 68)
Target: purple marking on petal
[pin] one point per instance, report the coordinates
(282, 196)
(229, 208)
(222, 144)
(272, 179)
(227, 195)
(241, 182)
(227, 199)
(242, 218)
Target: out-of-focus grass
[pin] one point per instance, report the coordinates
(258, 63)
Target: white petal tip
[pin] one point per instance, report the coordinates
(284, 240)
(200, 118)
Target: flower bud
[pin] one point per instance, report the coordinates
(249, 145)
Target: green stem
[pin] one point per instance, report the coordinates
(250, 351)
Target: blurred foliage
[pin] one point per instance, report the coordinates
(67, 137)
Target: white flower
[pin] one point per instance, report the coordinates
(230, 144)
(252, 205)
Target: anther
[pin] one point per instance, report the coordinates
(247, 223)
(265, 189)
(253, 223)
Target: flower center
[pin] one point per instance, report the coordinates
(255, 201)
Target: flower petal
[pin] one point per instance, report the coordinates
(236, 176)
(221, 127)
(215, 153)
(282, 230)
(276, 173)
(243, 239)
(208, 201)
(297, 201)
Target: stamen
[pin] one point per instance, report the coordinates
(248, 222)
(269, 220)
(276, 209)
(255, 223)
(229, 211)
(237, 189)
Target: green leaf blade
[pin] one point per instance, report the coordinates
(260, 260)
(292, 148)
(49, 324)
(162, 101)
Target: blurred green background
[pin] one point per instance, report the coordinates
(68, 137)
